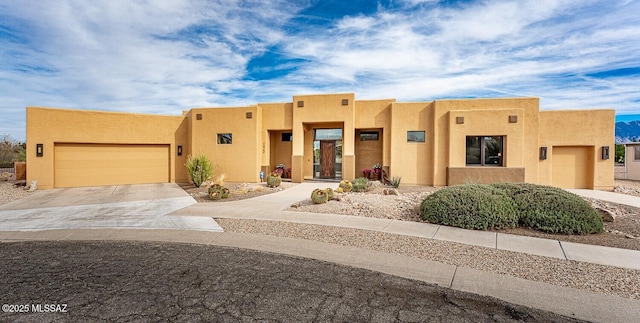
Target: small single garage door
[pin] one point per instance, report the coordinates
(101, 164)
(572, 167)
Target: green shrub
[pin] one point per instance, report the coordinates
(345, 185)
(360, 184)
(319, 196)
(552, 209)
(395, 181)
(470, 206)
(544, 208)
(200, 169)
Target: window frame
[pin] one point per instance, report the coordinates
(424, 136)
(636, 152)
(375, 135)
(483, 157)
(225, 139)
(289, 139)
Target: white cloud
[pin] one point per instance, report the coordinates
(162, 57)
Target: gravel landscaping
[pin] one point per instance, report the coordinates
(10, 192)
(623, 232)
(598, 278)
(238, 191)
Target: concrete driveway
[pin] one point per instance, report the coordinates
(144, 206)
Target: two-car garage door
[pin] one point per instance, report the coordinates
(106, 164)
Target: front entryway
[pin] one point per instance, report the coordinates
(327, 159)
(327, 146)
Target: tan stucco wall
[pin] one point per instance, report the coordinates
(631, 165)
(486, 117)
(240, 160)
(48, 126)
(280, 150)
(275, 116)
(593, 128)
(413, 161)
(375, 114)
(322, 111)
(257, 141)
(368, 152)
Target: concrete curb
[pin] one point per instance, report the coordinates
(579, 304)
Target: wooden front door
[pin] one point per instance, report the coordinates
(327, 159)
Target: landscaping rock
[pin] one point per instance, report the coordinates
(607, 215)
(390, 191)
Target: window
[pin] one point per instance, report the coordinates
(327, 134)
(287, 136)
(485, 151)
(415, 136)
(369, 136)
(636, 153)
(224, 138)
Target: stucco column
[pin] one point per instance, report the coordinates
(297, 153)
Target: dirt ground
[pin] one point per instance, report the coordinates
(624, 232)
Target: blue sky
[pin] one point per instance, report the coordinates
(167, 56)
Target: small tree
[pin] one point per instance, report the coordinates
(200, 169)
(11, 150)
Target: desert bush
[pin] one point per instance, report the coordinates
(395, 181)
(200, 169)
(544, 208)
(552, 209)
(360, 184)
(470, 206)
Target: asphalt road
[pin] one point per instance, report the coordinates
(148, 281)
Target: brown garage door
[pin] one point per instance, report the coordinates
(572, 167)
(99, 164)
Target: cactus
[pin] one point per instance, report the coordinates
(215, 187)
(339, 190)
(319, 196)
(273, 180)
(215, 194)
(329, 192)
(346, 185)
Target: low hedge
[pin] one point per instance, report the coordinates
(505, 205)
(470, 206)
(552, 209)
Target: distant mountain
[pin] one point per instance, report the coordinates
(627, 131)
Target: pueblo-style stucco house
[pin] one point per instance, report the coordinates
(443, 142)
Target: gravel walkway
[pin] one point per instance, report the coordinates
(598, 278)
